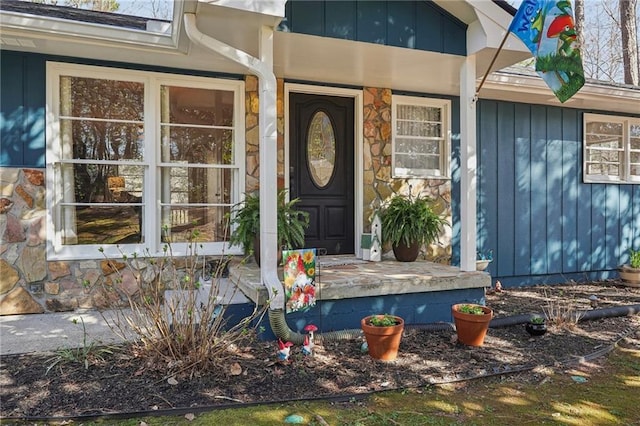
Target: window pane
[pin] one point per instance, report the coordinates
(97, 98)
(321, 149)
(635, 163)
(604, 135)
(418, 162)
(422, 129)
(186, 105)
(99, 183)
(102, 140)
(102, 224)
(417, 146)
(182, 185)
(604, 169)
(635, 136)
(197, 146)
(180, 222)
(419, 113)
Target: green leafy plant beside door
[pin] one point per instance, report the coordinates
(245, 220)
(410, 223)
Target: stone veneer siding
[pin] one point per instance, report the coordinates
(252, 177)
(378, 183)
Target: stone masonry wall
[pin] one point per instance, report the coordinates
(28, 282)
(252, 177)
(378, 184)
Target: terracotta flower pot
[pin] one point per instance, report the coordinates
(630, 276)
(383, 342)
(471, 328)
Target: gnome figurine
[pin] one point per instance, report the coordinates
(283, 350)
(307, 347)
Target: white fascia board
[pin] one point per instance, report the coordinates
(490, 32)
(263, 7)
(99, 34)
(591, 96)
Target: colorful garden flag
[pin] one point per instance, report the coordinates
(547, 28)
(299, 279)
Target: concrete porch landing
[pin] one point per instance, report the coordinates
(346, 277)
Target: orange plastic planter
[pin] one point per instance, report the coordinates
(383, 342)
(471, 329)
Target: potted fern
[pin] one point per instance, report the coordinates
(630, 272)
(409, 223)
(245, 220)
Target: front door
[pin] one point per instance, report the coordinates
(321, 158)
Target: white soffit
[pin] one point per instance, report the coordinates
(334, 61)
(273, 8)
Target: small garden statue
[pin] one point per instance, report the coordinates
(284, 350)
(307, 347)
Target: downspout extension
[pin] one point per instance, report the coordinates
(268, 161)
(594, 314)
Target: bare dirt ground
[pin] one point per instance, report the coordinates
(121, 382)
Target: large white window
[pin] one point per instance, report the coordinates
(421, 137)
(137, 159)
(611, 149)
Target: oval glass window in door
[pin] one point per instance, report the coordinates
(321, 149)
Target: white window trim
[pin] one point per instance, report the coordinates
(98, 33)
(152, 80)
(445, 158)
(625, 177)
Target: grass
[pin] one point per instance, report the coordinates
(609, 396)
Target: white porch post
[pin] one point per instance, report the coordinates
(263, 68)
(468, 165)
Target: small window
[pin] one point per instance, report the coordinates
(611, 149)
(421, 129)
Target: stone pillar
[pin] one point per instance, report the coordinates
(252, 142)
(378, 182)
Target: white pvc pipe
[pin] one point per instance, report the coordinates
(263, 69)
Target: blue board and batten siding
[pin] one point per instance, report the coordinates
(420, 25)
(543, 222)
(22, 110)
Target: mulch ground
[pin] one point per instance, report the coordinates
(122, 382)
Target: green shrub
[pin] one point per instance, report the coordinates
(185, 331)
(291, 223)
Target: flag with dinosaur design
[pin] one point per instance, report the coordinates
(547, 28)
(299, 279)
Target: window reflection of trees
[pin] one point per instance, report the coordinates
(111, 130)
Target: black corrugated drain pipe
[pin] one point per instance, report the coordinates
(281, 329)
(594, 314)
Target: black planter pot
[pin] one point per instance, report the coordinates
(405, 253)
(535, 329)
